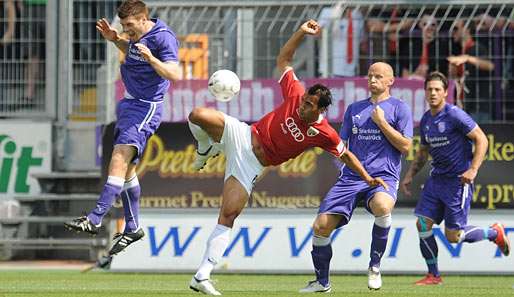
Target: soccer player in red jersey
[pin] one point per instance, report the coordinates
(284, 133)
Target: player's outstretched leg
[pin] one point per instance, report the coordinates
(496, 234)
(501, 240)
(202, 157)
(205, 146)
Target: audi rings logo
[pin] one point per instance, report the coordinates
(294, 130)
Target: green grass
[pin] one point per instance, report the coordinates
(98, 284)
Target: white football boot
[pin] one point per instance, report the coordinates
(204, 286)
(374, 278)
(202, 157)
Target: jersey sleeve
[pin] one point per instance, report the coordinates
(334, 144)
(463, 121)
(404, 120)
(168, 46)
(290, 85)
(346, 127)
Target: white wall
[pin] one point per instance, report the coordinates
(279, 241)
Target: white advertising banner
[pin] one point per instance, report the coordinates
(280, 241)
(25, 149)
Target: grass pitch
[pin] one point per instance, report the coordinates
(97, 283)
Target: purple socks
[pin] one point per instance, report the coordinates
(111, 190)
(130, 198)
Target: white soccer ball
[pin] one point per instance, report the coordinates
(224, 85)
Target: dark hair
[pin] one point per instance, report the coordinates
(325, 97)
(132, 8)
(436, 75)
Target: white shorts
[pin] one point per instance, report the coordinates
(236, 143)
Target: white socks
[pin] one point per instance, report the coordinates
(201, 137)
(320, 240)
(383, 221)
(216, 246)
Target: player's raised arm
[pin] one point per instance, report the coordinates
(111, 34)
(285, 56)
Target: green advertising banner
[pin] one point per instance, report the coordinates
(25, 149)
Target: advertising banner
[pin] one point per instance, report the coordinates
(25, 149)
(169, 181)
(280, 241)
(258, 97)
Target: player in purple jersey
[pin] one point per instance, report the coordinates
(377, 130)
(447, 134)
(151, 61)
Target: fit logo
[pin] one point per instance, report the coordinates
(15, 158)
(294, 130)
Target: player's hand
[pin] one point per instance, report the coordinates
(458, 60)
(145, 52)
(377, 115)
(311, 27)
(405, 184)
(468, 176)
(377, 181)
(106, 30)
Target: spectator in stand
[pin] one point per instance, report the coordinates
(9, 51)
(420, 48)
(33, 14)
(385, 26)
(346, 35)
(472, 71)
(8, 22)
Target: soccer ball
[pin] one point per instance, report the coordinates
(224, 85)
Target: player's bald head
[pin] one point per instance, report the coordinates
(382, 68)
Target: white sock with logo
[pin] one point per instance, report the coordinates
(216, 246)
(201, 137)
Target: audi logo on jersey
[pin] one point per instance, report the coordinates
(294, 130)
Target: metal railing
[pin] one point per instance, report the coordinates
(22, 59)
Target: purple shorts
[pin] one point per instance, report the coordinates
(137, 121)
(445, 198)
(347, 192)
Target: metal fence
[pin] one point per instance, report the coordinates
(245, 36)
(22, 58)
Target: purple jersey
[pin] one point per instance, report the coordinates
(365, 139)
(445, 134)
(140, 79)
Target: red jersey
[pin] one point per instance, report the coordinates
(284, 135)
